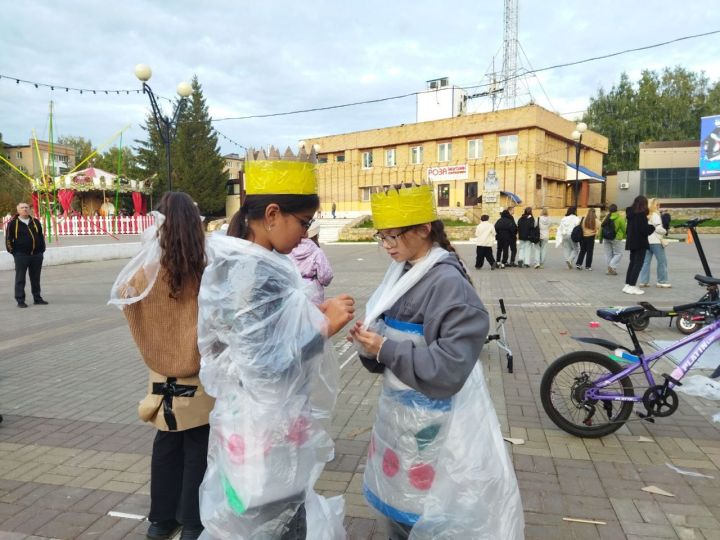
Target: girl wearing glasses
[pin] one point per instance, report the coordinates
(437, 466)
(266, 360)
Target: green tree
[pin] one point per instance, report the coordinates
(128, 163)
(196, 159)
(150, 163)
(83, 147)
(661, 106)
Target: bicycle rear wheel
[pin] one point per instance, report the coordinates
(563, 388)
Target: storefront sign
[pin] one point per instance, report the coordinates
(450, 172)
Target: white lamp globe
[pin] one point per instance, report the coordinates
(581, 127)
(184, 89)
(576, 135)
(143, 72)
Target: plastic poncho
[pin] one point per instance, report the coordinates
(266, 361)
(439, 466)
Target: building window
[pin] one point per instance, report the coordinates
(340, 157)
(367, 160)
(365, 194)
(18, 155)
(445, 151)
(475, 149)
(508, 145)
(322, 159)
(538, 181)
(416, 155)
(390, 158)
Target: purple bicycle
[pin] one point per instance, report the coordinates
(588, 394)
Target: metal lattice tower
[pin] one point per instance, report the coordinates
(510, 54)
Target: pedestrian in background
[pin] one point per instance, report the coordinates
(541, 246)
(513, 239)
(587, 244)
(612, 235)
(563, 236)
(313, 264)
(656, 248)
(638, 230)
(505, 230)
(525, 226)
(158, 293)
(24, 240)
(485, 239)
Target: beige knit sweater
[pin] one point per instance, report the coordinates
(164, 328)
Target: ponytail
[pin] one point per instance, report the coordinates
(439, 237)
(239, 227)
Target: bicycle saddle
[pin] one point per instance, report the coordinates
(707, 280)
(621, 314)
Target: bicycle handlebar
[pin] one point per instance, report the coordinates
(693, 222)
(686, 307)
(502, 306)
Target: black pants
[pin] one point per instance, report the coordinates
(587, 246)
(637, 257)
(513, 250)
(502, 251)
(483, 253)
(397, 531)
(179, 459)
(30, 264)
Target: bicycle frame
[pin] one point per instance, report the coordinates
(705, 337)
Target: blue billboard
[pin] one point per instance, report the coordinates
(710, 148)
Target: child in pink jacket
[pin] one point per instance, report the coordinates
(313, 264)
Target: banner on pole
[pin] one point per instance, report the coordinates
(710, 148)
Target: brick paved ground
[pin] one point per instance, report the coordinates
(71, 449)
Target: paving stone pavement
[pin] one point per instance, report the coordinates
(72, 449)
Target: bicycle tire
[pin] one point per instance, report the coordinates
(686, 326)
(560, 420)
(640, 322)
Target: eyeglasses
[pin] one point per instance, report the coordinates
(391, 240)
(306, 224)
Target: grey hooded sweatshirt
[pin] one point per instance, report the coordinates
(455, 325)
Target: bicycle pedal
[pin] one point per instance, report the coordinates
(671, 379)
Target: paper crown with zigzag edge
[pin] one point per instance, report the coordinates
(273, 174)
(403, 207)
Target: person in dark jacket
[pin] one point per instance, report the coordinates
(638, 230)
(24, 240)
(505, 231)
(525, 226)
(513, 240)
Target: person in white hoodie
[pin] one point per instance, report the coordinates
(657, 249)
(485, 240)
(562, 237)
(541, 246)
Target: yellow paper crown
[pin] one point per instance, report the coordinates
(273, 175)
(403, 207)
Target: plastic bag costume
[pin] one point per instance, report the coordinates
(439, 466)
(266, 361)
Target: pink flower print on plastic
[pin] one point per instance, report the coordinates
(236, 449)
(298, 431)
(421, 476)
(371, 447)
(391, 463)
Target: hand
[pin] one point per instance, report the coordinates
(370, 341)
(339, 311)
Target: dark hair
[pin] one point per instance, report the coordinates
(438, 236)
(182, 241)
(571, 211)
(640, 205)
(484, 217)
(254, 208)
(528, 211)
(612, 208)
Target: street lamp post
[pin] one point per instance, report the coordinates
(166, 127)
(577, 136)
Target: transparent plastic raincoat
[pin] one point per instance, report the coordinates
(439, 466)
(266, 360)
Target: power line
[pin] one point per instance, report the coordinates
(54, 87)
(484, 85)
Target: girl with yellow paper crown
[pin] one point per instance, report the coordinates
(437, 466)
(267, 362)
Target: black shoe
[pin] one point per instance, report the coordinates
(161, 530)
(22, 304)
(191, 533)
(40, 302)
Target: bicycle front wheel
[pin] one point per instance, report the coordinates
(563, 389)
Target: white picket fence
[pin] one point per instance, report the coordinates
(96, 225)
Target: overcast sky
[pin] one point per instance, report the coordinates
(269, 57)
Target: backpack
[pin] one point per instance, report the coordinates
(577, 233)
(608, 229)
(534, 234)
